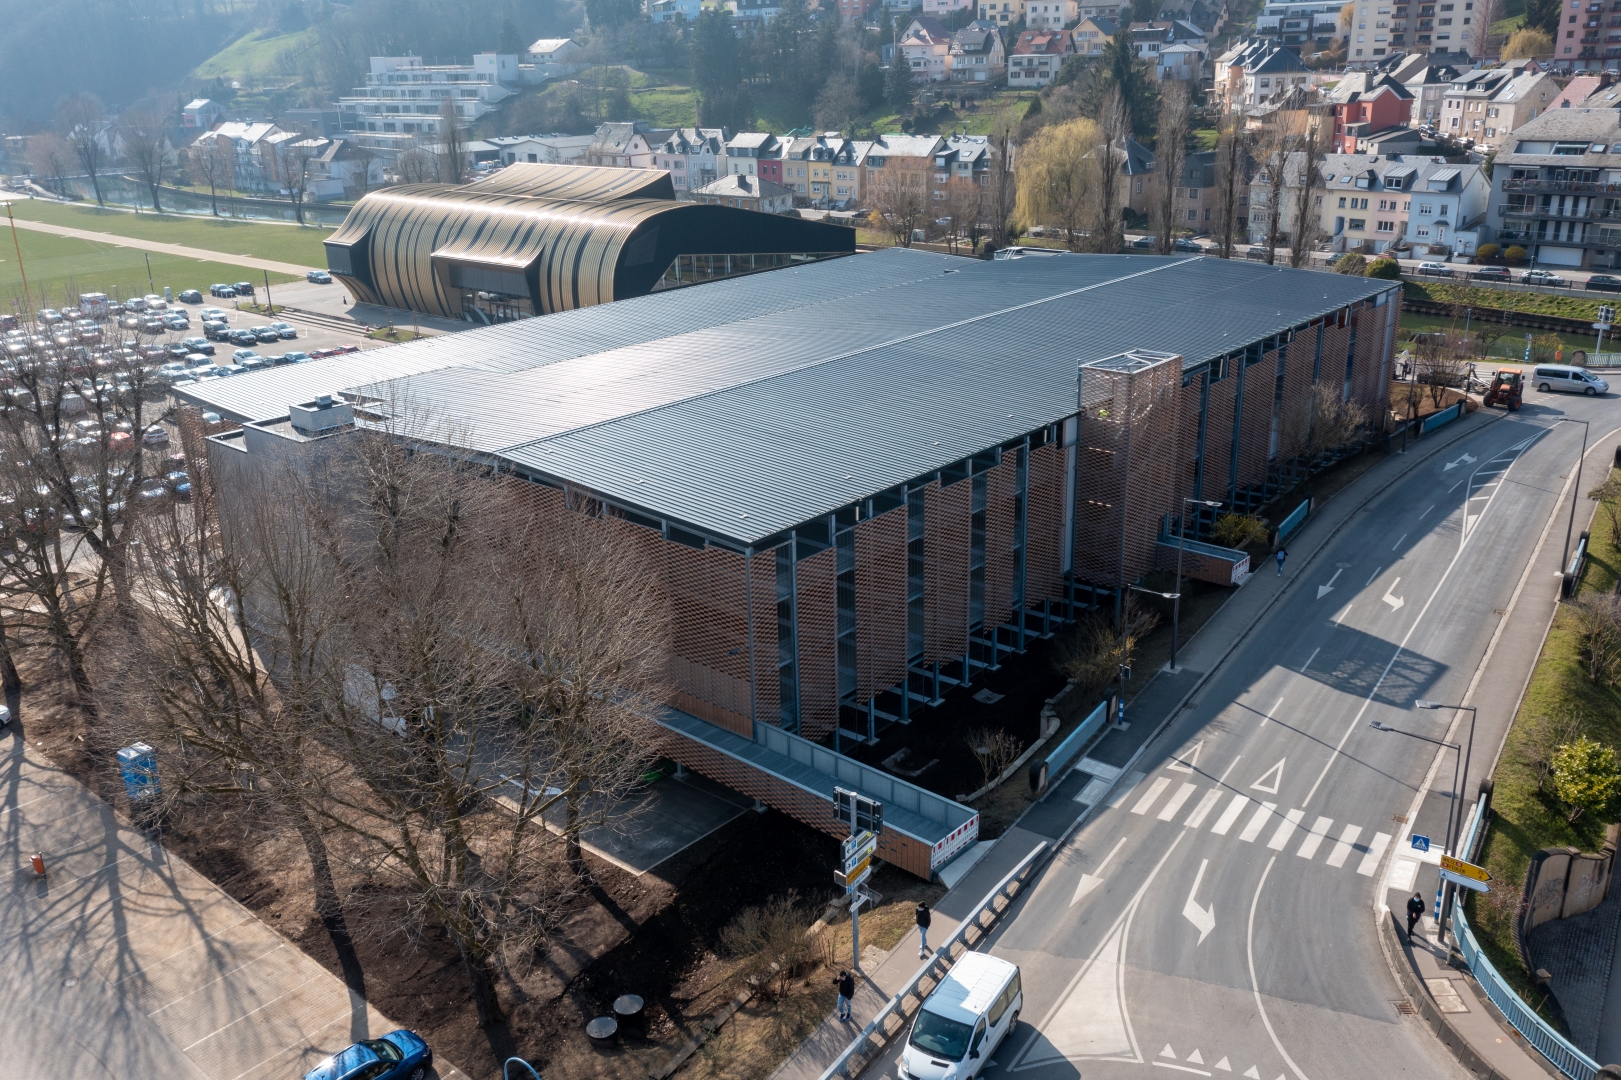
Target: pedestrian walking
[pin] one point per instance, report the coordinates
(1283, 553)
(1415, 911)
(922, 931)
(846, 983)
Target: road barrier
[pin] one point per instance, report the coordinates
(1442, 418)
(877, 1034)
(1296, 518)
(1572, 577)
(1548, 1042)
(1076, 739)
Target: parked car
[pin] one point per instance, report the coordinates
(399, 1055)
(190, 296)
(1434, 269)
(152, 324)
(287, 330)
(243, 288)
(253, 363)
(198, 345)
(1541, 277)
(216, 331)
(212, 313)
(224, 292)
(1493, 273)
(294, 357)
(267, 335)
(319, 277)
(1184, 244)
(135, 303)
(154, 302)
(243, 337)
(176, 322)
(239, 355)
(49, 317)
(152, 490)
(177, 349)
(1145, 243)
(179, 485)
(1603, 283)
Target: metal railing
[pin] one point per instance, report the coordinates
(877, 1035)
(1548, 1042)
(1296, 518)
(1076, 739)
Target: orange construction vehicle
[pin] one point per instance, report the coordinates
(1507, 389)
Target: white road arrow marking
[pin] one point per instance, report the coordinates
(1465, 460)
(1091, 881)
(1391, 598)
(1324, 590)
(1202, 917)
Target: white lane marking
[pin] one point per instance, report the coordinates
(1342, 850)
(1339, 620)
(1286, 829)
(1155, 790)
(1255, 984)
(1271, 714)
(1132, 780)
(1091, 881)
(1222, 779)
(1203, 918)
(1310, 658)
(1397, 544)
(1202, 811)
(1426, 513)
(1183, 1068)
(1257, 822)
(1370, 861)
(1174, 807)
(1412, 628)
(1315, 838)
(1376, 574)
(1229, 815)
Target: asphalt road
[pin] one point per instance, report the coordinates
(1219, 917)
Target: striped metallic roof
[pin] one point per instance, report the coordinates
(578, 183)
(747, 407)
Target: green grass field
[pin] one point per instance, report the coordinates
(61, 267)
(1526, 817)
(1578, 305)
(262, 240)
(258, 54)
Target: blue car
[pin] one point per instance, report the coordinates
(399, 1055)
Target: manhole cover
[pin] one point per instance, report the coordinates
(1405, 1008)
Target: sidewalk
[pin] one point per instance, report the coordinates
(202, 254)
(125, 961)
(1113, 755)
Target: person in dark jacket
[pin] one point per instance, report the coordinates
(846, 983)
(922, 931)
(1415, 911)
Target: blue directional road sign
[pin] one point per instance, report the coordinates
(1421, 843)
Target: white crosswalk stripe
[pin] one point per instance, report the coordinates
(1314, 838)
(1257, 822)
(1286, 829)
(1230, 815)
(1151, 795)
(1342, 850)
(1174, 806)
(1370, 861)
(1202, 811)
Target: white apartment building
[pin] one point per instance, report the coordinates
(401, 101)
(692, 156)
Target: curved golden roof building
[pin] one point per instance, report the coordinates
(489, 253)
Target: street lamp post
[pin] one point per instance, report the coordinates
(1176, 597)
(1457, 799)
(1458, 753)
(28, 302)
(1570, 525)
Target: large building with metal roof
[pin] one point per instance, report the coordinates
(869, 479)
(536, 239)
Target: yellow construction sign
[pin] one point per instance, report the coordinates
(1464, 870)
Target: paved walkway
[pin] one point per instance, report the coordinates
(168, 249)
(126, 962)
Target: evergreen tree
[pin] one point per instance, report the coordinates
(1543, 15)
(898, 83)
(509, 41)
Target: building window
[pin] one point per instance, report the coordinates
(1356, 224)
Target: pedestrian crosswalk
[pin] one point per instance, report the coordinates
(1167, 798)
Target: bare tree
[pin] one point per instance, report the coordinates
(1310, 148)
(900, 195)
(295, 174)
(417, 165)
(1480, 40)
(147, 146)
(1114, 128)
(363, 157)
(1321, 422)
(206, 162)
(1003, 187)
(962, 207)
(995, 749)
(1275, 153)
(1232, 179)
(50, 154)
(1099, 648)
(1170, 154)
(452, 143)
(78, 118)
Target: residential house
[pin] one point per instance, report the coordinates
(1002, 12)
(898, 159)
(1556, 189)
(1486, 104)
(1255, 69)
(1579, 89)
(692, 157)
(1037, 56)
(544, 149)
(1398, 140)
(200, 114)
(940, 9)
(1116, 12)
(1141, 193)
(628, 144)
(758, 12)
(743, 151)
(1148, 39)
(1050, 14)
(1194, 205)
(319, 120)
(855, 12)
(926, 45)
(339, 167)
(1184, 62)
(1093, 33)
(976, 53)
(1260, 199)
(824, 170)
(1210, 16)
(1364, 103)
(1428, 83)
(746, 193)
(663, 11)
(963, 161)
(244, 144)
(1308, 25)
(553, 58)
(1369, 203)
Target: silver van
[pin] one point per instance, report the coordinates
(964, 1020)
(1572, 380)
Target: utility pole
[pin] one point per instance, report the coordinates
(269, 308)
(150, 287)
(27, 302)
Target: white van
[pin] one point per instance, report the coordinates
(964, 1020)
(1573, 380)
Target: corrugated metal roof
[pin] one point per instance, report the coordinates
(747, 407)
